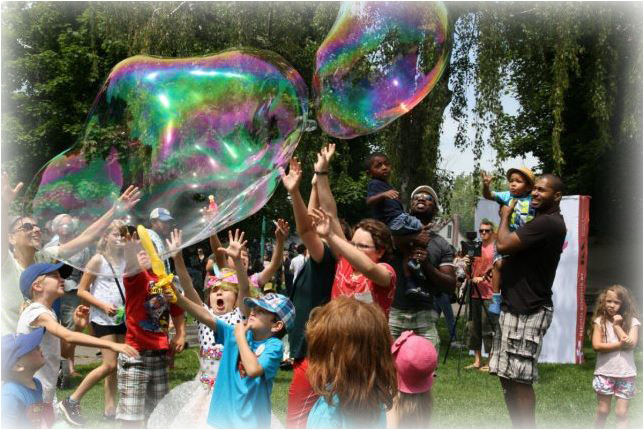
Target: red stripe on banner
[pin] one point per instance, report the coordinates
(582, 270)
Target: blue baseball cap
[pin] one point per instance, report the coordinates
(161, 213)
(276, 303)
(17, 345)
(35, 270)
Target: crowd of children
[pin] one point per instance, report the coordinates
(349, 370)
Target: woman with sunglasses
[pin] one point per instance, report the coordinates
(22, 242)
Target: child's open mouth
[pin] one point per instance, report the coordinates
(220, 303)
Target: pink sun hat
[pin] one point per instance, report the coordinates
(415, 359)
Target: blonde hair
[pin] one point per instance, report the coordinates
(349, 354)
(626, 310)
(413, 410)
(101, 247)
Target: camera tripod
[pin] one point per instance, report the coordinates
(466, 295)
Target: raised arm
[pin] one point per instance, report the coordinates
(8, 196)
(305, 229)
(281, 233)
(358, 259)
(236, 244)
(220, 260)
(174, 248)
(487, 180)
(327, 202)
(126, 201)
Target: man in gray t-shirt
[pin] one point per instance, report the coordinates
(437, 264)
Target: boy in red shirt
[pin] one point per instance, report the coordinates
(143, 381)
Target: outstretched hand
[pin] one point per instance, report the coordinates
(281, 229)
(80, 317)
(235, 245)
(9, 193)
(324, 158)
(292, 180)
(321, 219)
(174, 243)
(486, 178)
(130, 197)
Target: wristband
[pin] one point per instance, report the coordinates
(322, 173)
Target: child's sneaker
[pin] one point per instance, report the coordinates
(71, 412)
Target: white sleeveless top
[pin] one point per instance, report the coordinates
(105, 289)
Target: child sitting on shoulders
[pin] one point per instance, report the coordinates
(22, 404)
(520, 182)
(615, 334)
(251, 356)
(41, 285)
(416, 359)
(350, 365)
(385, 203)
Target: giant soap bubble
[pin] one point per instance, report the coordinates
(379, 60)
(188, 132)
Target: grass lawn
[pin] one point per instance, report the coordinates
(565, 398)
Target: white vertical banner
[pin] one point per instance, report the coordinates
(560, 343)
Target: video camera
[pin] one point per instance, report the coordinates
(472, 246)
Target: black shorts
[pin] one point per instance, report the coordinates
(104, 330)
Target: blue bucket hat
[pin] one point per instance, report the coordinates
(32, 272)
(276, 303)
(15, 346)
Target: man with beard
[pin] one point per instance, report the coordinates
(527, 276)
(436, 259)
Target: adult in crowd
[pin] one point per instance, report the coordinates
(311, 288)
(436, 259)
(161, 224)
(64, 228)
(298, 262)
(22, 240)
(527, 276)
(480, 328)
(286, 272)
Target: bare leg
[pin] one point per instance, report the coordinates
(520, 401)
(107, 367)
(477, 358)
(621, 412)
(602, 411)
(109, 384)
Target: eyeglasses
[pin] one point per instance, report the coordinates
(27, 227)
(363, 246)
(483, 230)
(423, 196)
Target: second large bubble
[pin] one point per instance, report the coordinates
(379, 60)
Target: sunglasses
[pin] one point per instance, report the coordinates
(424, 197)
(485, 231)
(27, 227)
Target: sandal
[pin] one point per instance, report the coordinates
(472, 366)
(485, 369)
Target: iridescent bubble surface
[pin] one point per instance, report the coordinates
(181, 130)
(379, 60)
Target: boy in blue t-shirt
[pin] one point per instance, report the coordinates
(385, 204)
(520, 182)
(252, 355)
(22, 403)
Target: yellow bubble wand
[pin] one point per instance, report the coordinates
(163, 285)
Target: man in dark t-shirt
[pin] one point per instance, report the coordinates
(527, 276)
(436, 260)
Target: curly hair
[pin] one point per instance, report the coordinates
(349, 355)
(626, 310)
(381, 235)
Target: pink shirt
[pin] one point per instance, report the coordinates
(350, 284)
(479, 267)
(618, 364)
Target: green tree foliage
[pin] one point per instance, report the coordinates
(575, 69)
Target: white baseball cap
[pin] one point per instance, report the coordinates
(161, 213)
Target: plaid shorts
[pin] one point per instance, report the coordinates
(422, 322)
(517, 345)
(142, 383)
